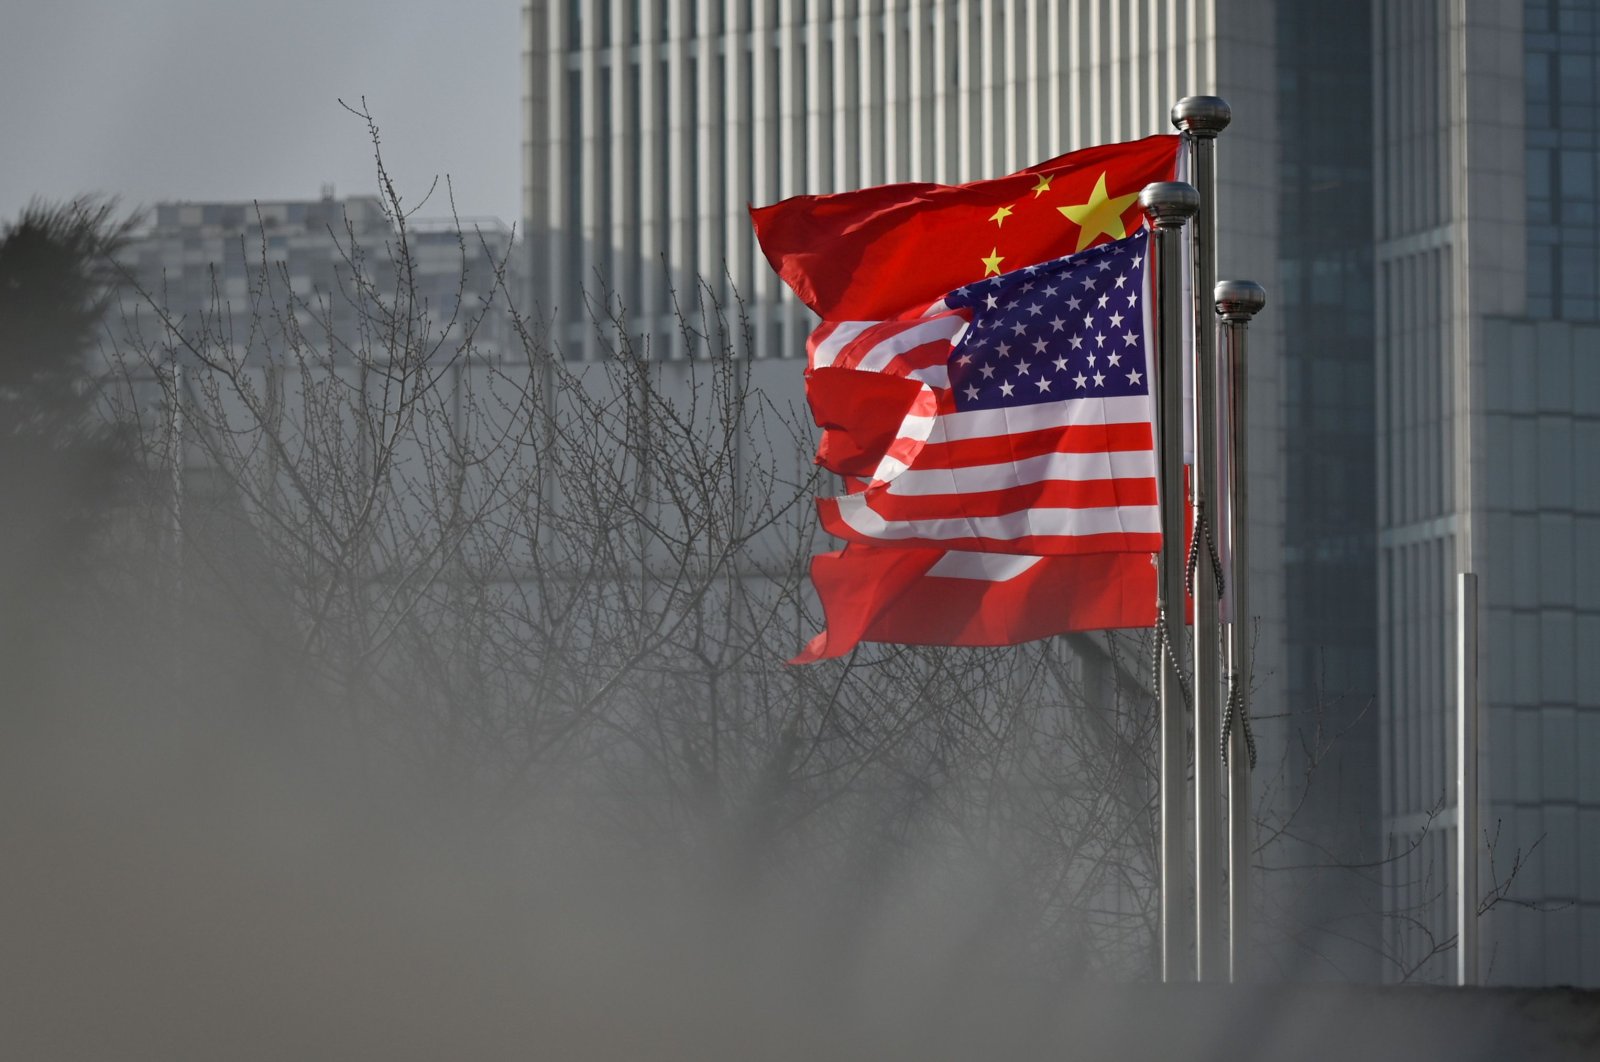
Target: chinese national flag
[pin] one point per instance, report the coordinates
(881, 252)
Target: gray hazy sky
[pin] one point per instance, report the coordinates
(234, 99)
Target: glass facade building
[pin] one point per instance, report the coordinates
(1324, 293)
(1562, 79)
(1488, 391)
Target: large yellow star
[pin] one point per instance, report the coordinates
(991, 265)
(1100, 216)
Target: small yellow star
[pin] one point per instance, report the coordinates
(991, 265)
(999, 216)
(1043, 186)
(1100, 216)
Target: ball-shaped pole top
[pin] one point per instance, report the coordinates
(1169, 203)
(1239, 300)
(1202, 115)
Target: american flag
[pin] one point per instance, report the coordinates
(1032, 428)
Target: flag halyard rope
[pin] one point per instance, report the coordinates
(1163, 648)
(1202, 526)
(1235, 708)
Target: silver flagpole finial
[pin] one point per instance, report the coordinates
(1202, 115)
(1169, 203)
(1239, 300)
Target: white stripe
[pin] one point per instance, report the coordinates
(936, 330)
(990, 567)
(986, 423)
(934, 376)
(1135, 519)
(1012, 420)
(939, 375)
(889, 468)
(975, 479)
(914, 426)
(843, 332)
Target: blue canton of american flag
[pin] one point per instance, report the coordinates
(1070, 328)
(1030, 429)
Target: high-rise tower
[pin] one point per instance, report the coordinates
(1488, 415)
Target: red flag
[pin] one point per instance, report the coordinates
(945, 597)
(860, 415)
(881, 252)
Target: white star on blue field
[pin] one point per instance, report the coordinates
(1068, 328)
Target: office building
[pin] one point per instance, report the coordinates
(1488, 398)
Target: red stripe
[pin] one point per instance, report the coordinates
(885, 595)
(1046, 494)
(1028, 545)
(1074, 439)
(1057, 595)
(920, 357)
(905, 450)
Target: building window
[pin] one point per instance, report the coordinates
(1560, 49)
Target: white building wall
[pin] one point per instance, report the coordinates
(651, 124)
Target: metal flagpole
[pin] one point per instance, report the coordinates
(1169, 204)
(1201, 118)
(1237, 301)
(1467, 779)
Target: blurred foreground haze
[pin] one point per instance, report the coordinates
(417, 703)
